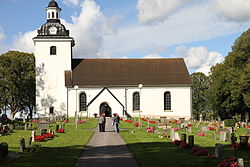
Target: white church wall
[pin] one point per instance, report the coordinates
(51, 91)
(152, 101)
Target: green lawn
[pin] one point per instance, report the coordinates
(62, 151)
(150, 150)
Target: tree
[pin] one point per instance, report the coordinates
(17, 83)
(199, 90)
(229, 80)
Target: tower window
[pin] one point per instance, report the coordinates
(52, 50)
(136, 101)
(53, 15)
(51, 110)
(57, 15)
(49, 15)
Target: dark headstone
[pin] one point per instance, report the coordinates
(244, 142)
(63, 126)
(4, 150)
(22, 144)
(30, 141)
(219, 151)
(184, 137)
(191, 140)
(57, 127)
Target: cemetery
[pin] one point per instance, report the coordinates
(28, 143)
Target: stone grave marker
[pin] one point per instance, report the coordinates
(228, 134)
(5, 149)
(244, 142)
(163, 119)
(33, 133)
(223, 136)
(204, 128)
(63, 126)
(191, 141)
(176, 136)
(219, 151)
(30, 126)
(214, 135)
(43, 125)
(189, 130)
(56, 127)
(22, 144)
(42, 131)
(30, 141)
(25, 126)
(184, 137)
(240, 162)
(172, 135)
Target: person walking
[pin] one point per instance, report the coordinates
(101, 122)
(104, 122)
(116, 121)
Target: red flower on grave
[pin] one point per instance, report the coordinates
(136, 124)
(201, 134)
(152, 122)
(230, 162)
(35, 121)
(177, 142)
(183, 144)
(248, 127)
(39, 138)
(65, 121)
(189, 125)
(215, 125)
(211, 128)
(176, 129)
(48, 135)
(60, 131)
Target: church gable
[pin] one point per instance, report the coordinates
(128, 72)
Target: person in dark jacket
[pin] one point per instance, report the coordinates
(116, 121)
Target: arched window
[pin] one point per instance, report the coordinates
(49, 15)
(167, 101)
(83, 102)
(53, 15)
(52, 50)
(136, 101)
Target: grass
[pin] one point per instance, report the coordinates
(62, 151)
(150, 150)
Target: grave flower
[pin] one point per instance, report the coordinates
(152, 122)
(230, 162)
(201, 134)
(60, 131)
(177, 142)
(176, 129)
(39, 138)
(189, 125)
(48, 135)
(136, 124)
(183, 144)
(248, 127)
(211, 128)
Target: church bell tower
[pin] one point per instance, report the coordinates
(53, 53)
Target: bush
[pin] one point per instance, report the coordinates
(229, 122)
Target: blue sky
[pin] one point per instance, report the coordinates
(200, 31)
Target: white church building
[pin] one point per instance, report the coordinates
(68, 86)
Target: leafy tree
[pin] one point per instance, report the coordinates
(17, 83)
(199, 90)
(229, 80)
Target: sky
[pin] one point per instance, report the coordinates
(200, 31)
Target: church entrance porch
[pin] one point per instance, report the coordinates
(106, 109)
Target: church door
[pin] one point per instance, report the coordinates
(104, 108)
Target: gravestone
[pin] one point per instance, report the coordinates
(189, 129)
(63, 126)
(204, 128)
(219, 151)
(43, 125)
(163, 119)
(25, 126)
(214, 135)
(56, 127)
(22, 144)
(191, 141)
(33, 135)
(244, 142)
(184, 137)
(4, 149)
(172, 135)
(30, 141)
(223, 136)
(240, 162)
(176, 136)
(42, 131)
(228, 134)
(30, 126)
(248, 131)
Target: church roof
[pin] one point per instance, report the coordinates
(128, 72)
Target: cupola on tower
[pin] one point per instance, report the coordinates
(53, 53)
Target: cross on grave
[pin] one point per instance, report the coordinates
(22, 144)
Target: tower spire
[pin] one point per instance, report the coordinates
(53, 11)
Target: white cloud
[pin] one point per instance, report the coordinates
(199, 58)
(23, 42)
(152, 56)
(154, 11)
(236, 10)
(71, 2)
